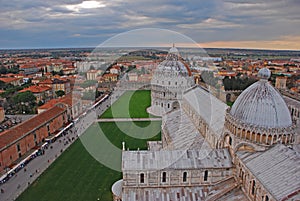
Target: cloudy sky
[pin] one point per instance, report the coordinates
(269, 24)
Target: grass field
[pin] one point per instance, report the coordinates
(77, 176)
(131, 104)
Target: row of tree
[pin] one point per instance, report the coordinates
(234, 83)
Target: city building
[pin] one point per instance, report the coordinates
(12, 80)
(109, 77)
(2, 114)
(29, 69)
(210, 151)
(93, 74)
(20, 139)
(42, 93)
(115, 69)
(57, 84)
(72, 102)
(280, 82)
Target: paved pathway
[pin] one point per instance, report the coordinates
(127, 119)
(21, 180)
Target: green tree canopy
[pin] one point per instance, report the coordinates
(24, 97)
(60, 93)
(88, 83)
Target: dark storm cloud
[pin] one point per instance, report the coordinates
(75, 22)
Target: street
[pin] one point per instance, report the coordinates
(27, 175)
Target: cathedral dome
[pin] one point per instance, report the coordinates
(262, 105)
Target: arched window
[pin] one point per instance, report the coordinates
(267, 198)
(253, 187)
(164, 177)
(205, 175)
(230, 141)
(184, 177)
(142, 178)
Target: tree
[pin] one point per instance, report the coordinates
(88, 83)
(60, 93)
(24, 97)
(24, 103)
(89, 95)
(3, 70)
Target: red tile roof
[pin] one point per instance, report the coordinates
(9, 79)
(10, 136)
(67, 99)
(36, 89)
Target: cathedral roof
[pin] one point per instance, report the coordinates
(277, 169)
(175, 159)
(262, 105)
(208, 107)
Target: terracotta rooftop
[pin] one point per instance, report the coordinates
(9, 79)
(67, 99)
(36, 89)
(16, 132)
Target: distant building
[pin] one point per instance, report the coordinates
(280, 82)
(42, 93)
(71, 101)
(2, 114)
(57, 84)
(115, 69)
(28, 69)
(132, 77)
(110, 77)
(12, 80)
(93, 74)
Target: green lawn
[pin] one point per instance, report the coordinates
(131, 104)
(77, 176)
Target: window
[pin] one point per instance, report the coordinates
(18, 147)
(205, 175)
(253, 187)
(184, 177)
(267, 198)
(230, 141)
(142, 178)
(168, 105)
(164, 177)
